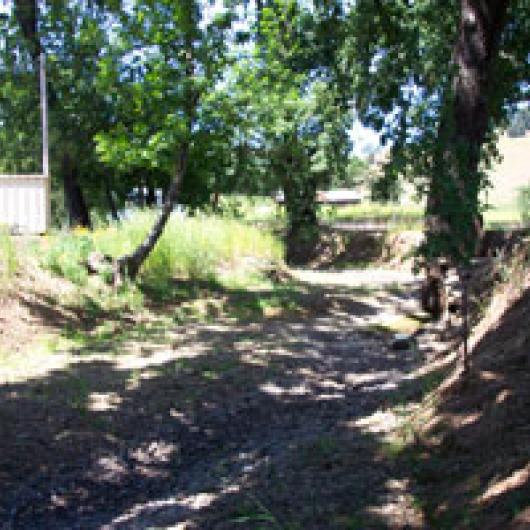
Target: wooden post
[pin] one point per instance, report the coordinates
(45, 145)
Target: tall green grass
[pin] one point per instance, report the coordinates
(67, 256)
(375, 212)
(8, 258)
(197, 247)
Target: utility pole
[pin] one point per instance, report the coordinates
(44, 117)
(45, 141)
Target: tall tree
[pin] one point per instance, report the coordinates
(437, 80)
(73, 35)
(171, 55)
(295, 117)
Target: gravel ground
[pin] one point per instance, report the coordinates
(272, 424)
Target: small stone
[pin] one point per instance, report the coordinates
(98, 262)
(402, 341)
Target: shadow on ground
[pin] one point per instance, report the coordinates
(238, 424)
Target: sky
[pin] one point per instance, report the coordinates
(5, 6)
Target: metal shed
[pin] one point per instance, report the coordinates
(25, 203)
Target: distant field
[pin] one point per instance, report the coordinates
(511, 173)
(402, 216)
(507, 177)
(405, 217)
(410, 216)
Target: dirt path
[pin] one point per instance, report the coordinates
(278, 424)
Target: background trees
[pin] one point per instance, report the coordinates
(267, 102)
(295, 121)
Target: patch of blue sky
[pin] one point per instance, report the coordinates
(5, 7)
(364, 140)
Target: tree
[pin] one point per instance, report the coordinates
(20, 141)
(73, 36)
(438, 80)
(170, 57)
(356, 172)
(295, 120)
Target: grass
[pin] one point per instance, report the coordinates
(406, 216)
(410, 217)
(191, 302)
(191, 248)
(502, 215)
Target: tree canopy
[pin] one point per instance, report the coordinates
(261, 96)
(438, 81)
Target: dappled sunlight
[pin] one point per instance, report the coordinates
(37, 363)
(517, 479)
(103, 401)
(380, 422)
(399, 509)
(355, 277)
(170, 509)
(178, 423)
(278, 391)
(488, 375)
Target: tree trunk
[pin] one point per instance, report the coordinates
(150, 199)
(454, 223)
(26, 13)
(110, 199)
(215, 200)
(300, 207)
(75, 204)
(129, 265)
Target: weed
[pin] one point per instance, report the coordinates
(191, 247)
(255, 512)
(67, 255)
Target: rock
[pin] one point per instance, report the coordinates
(98, 262)
(402, 341)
